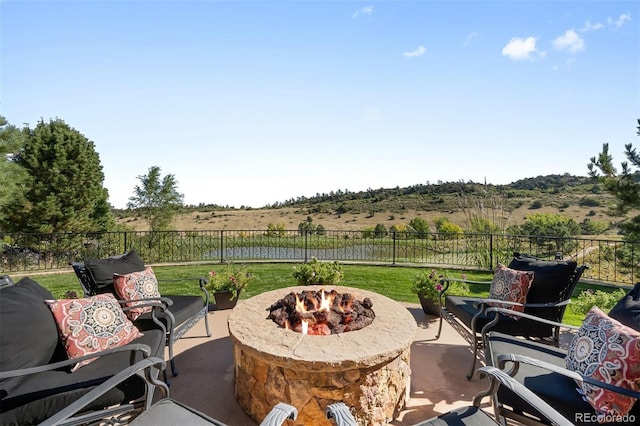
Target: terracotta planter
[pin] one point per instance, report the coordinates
(225, 299)
(429, 306)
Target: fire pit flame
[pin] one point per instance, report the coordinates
(321, 312)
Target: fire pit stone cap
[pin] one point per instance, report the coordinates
(388, 336)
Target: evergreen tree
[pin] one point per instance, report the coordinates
(156, 200)
(61, 190)
(11, 174)
(625, 186)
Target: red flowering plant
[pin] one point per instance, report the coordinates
(428, 283)
(230, 278)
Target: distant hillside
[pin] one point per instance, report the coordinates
(551, 191)
(580, 198)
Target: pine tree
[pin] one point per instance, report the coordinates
(62, 190)
(157, 199)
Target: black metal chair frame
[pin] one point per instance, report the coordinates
(510, 364)
(472, 334)
(174, 331)
(164, 411)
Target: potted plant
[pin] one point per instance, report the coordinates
(227, 284)
(427, 285)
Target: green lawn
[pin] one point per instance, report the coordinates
(393, 282)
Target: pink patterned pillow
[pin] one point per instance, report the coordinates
(608, 351)
(136, 286)
(91, 325)
(510, 285)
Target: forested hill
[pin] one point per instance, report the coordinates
(550, 190)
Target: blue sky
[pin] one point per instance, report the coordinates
(255, 102)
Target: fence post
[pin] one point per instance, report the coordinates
(221, 246)
(306, 245)
(393, 259)
(491, 251)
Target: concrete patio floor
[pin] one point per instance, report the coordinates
(438, 367)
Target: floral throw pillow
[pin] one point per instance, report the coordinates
(608, 351)
(136, 286)
(510, 285)
(91, 325)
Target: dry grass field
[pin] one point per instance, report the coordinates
(259, 219)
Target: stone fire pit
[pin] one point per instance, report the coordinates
(367, 369)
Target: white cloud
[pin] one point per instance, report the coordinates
(588, 26)
(469, 38)
(618, 23)
(521, 48)
(570, 41)
(367, 10)
(415, 53)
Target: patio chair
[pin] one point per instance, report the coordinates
(543, 369)
(470, 415)
(165, 411)
(180, 313)
(547, 297)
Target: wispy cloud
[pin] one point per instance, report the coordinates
(367, 10)
(520, 49)
(415, 53)
(469, 38)
(588, 27)
(618, 23)
(569, 41)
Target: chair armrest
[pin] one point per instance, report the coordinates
(516, 359)
(446, 281)
(340, 412)
(498, 310)
(279, 414)
(133, 348)
(144, 365)
(499, 378)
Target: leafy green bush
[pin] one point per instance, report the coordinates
(317, 272)
(602, 299)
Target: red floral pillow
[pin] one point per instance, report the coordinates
(608, 351)
(91, 325)
(136, 286)
(510, 285)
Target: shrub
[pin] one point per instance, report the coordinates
(317, 272)
(602, 299)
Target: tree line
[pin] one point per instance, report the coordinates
(52, 181)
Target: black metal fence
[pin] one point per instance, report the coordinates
(609, 260)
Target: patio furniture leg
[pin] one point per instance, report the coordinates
(440, 325)
(206, 324)
(474, 343)
(174, 370)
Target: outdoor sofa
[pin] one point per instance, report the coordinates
(37, 377)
